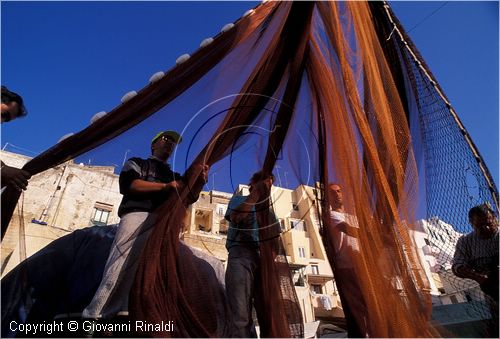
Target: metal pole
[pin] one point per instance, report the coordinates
(125, 157)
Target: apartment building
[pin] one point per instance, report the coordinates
(298, 214)
(436, 241)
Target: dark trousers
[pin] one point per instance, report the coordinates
(353, 304)
(241, 275)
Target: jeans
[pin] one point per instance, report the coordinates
(241, 275)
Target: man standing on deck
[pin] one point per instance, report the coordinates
(343, 236)
(476, 254)
(244, 256)
(145, 185)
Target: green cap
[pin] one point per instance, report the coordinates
(172, 134)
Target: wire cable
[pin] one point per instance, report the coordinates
(427, 17)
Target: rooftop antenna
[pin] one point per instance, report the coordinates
(125, 157)
(278, 173)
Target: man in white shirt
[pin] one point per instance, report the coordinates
(343, 238)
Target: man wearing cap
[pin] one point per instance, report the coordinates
(12, 107)
(145, 185)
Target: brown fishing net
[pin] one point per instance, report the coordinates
(368, 132)
(452, 174)
(318, 88)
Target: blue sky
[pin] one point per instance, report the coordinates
(70, 60)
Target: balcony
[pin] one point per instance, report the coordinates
(327, 306)
(314, 278)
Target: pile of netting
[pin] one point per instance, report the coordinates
(336, 92)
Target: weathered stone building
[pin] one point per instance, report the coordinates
(58, 201)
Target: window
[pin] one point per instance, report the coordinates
(432, 234)
(315, 288)
(453, 299)
(221, 211)
(302, 252)
(427, 241)
(298, 276)
(282, 225)
(298, 225)
(315, 269)
(203, 220)
(295, 207)
(100, 215)
(223, 226)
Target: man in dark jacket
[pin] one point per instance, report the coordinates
(145, 185)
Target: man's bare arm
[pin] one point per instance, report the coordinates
(465, 271)
(242, 211)
(139, 186)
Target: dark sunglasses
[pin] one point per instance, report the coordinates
(168, 139)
